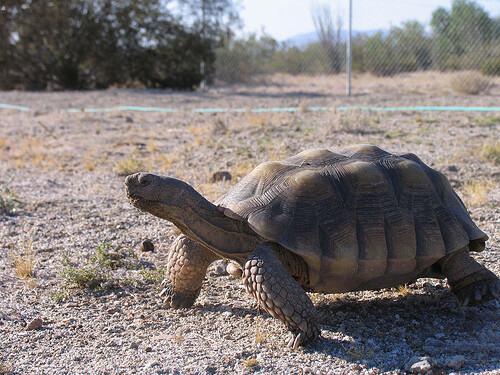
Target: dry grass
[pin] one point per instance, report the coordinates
(198, 130)
(24, 261)
(89, 161)
(128, 166)
(5, 368)
(469, 83)
(163, 162)
(261, 333)
(491, 152)
(403, 290)
(419, 83)
(241, 168)
(476, 191)
(250, 362)
(212, 191)
(151, 147)
(28, 151)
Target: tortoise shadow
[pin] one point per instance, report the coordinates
(430, 323)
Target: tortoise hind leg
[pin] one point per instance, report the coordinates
(280, 295)
(186, 268)
(471, 282)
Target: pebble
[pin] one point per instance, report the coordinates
(220, 268)
(113, 310)
(234, 270)
(147, 245)
(420, 364)
(433, 342)
(455, 362)
(134, 345)
(221, 176)
(36, 323)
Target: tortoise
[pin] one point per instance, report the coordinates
(357, 219)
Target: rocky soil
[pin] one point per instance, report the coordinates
(91, 305)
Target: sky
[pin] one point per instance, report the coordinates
(283, 19)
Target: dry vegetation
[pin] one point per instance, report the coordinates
(98, 291)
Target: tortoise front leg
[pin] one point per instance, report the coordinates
(280, 295)
(187, 265)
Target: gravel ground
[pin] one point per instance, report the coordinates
(92, 305)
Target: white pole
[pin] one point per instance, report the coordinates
(348, 52)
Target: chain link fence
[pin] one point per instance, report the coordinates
(459, 44)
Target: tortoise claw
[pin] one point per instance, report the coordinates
(175, 299)
(295, 340)
(479, 292)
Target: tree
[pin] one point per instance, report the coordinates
(78, 44)
(329, 34)
(464, 36)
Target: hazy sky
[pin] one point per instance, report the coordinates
(283, 19)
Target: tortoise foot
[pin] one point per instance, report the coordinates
(176, 299)
(479, 292)
(280, 295)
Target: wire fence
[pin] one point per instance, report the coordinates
(459, 44)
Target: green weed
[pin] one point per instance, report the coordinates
(8, 199)
(88, 276)
(154, 277)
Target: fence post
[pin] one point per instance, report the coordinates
(348, 52)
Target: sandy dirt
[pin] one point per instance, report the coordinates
(96, 291)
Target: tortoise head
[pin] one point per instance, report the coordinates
(159, 195)
(179, 203)
(145, 189)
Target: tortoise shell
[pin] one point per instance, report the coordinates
(361, 218)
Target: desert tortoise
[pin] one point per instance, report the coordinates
(357, 219)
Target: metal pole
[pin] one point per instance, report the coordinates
(348, 52)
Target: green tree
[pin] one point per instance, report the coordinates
(463, 37)
(77, 44)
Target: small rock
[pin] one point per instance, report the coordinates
(219, 268)
(151, 364)
(134, 345)
(455, 362)
(420, 364)
(452, 168)
(129, 119)
(36, 323)
(433, 342)
(234, 270)
(147, 245)
(148, 349)
(113, 310)
(221, 176)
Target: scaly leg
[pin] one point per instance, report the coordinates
(187, 265)
(470, 281)
(280, 295)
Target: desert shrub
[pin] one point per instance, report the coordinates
(470, 83)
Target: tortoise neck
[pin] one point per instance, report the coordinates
(203, 222)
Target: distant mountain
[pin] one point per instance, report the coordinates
(302, 40)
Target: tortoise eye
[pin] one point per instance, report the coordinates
(145, 181)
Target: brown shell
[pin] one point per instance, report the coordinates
(362, 218)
